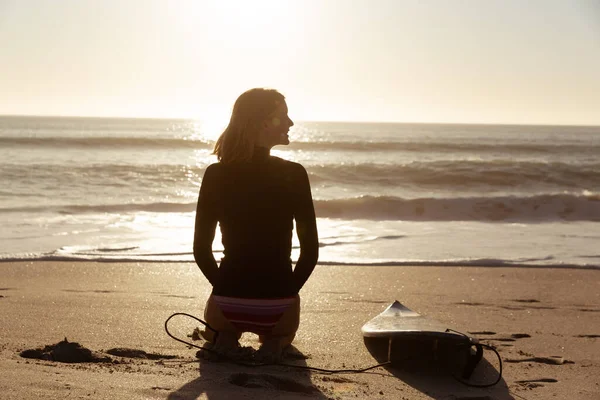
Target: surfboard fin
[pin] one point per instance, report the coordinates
(472, 361)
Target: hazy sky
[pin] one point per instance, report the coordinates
(359, 60)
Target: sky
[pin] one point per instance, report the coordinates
(478, 61)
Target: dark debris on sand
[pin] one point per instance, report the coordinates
(135, 353)
(66, 352)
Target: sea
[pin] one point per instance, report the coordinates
(115, 190)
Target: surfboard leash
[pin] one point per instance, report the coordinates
(249, 364)
(468, 370)
(474, 359)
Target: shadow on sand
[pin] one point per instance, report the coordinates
(225, 380)
(438, 373)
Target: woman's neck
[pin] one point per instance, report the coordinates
(261, 152)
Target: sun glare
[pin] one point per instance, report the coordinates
(212, 126)
(238, 22)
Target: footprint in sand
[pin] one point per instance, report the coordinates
(267, 381)
(161, 388)
(533, 383)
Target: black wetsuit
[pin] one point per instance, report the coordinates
(255, 204)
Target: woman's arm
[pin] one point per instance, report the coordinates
(306, 227)
(206, 224)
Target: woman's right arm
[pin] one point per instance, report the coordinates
(206, 224)
(306, 229)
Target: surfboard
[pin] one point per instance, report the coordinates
(404, 337)
(407, 339)
(400, 322)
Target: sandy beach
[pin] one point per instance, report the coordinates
(529, 314)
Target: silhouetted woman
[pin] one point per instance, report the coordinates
(255, 198)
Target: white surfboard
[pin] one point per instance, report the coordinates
(400, 322)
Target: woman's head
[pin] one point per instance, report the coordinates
(259, 119)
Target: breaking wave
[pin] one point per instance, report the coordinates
(539, 208)
(442, 174)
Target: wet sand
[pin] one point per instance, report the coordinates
(544, 322)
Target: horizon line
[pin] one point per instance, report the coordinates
(303, 120)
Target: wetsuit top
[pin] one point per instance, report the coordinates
(255, 204)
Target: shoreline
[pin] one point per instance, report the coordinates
(461, 263)
(527, 313)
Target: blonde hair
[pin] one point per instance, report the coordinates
(236, 143)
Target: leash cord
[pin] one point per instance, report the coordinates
(306, 367)
(248, 364)
(475, 359)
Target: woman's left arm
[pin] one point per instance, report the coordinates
(306, 227)
(206, 224)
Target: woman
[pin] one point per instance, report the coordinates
(255, 198)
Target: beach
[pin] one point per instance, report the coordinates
(447, 153)
(527, 313)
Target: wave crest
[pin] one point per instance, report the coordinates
(540, 208)
(549, 207)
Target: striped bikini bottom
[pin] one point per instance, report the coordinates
(253, 315)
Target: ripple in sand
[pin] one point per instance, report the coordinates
(552, 360)
(90, 291)
(65, 351)
(367, 301)
(543, 380)
(520, 335)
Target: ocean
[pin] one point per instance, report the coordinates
(81, 189)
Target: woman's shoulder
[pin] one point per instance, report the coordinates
(291, 166)
(214, 170)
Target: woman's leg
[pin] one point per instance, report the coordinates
(228, 336)
(284, 331)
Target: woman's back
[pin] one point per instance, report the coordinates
(255, 204)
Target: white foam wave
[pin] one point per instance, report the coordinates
(188, 258)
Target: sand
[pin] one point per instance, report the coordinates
(530, 314)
